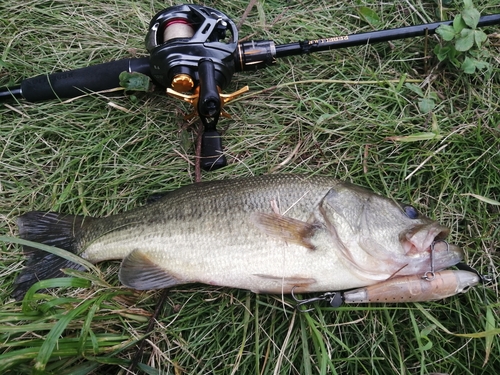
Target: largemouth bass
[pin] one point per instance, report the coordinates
(268, 234)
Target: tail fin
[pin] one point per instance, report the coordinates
(52, 229)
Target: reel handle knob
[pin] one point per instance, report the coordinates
(212, 157)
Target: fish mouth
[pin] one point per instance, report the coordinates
(427, 242)
(420, 237)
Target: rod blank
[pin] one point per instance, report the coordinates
(351, 40)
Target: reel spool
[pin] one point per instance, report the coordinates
(174, 29)
(177, 28)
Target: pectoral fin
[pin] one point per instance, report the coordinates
(286, 228)
(139, 272)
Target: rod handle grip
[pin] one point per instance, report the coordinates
(73, 83)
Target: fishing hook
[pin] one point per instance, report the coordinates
(430, 275)
(335, 299)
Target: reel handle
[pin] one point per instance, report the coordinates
(209, 109)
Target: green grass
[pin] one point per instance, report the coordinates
(90, 157)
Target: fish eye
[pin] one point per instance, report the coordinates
(411, 212)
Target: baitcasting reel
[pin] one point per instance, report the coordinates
(192, 49)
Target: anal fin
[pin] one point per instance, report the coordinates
(139, 272)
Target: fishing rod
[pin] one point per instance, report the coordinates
(193, 53)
